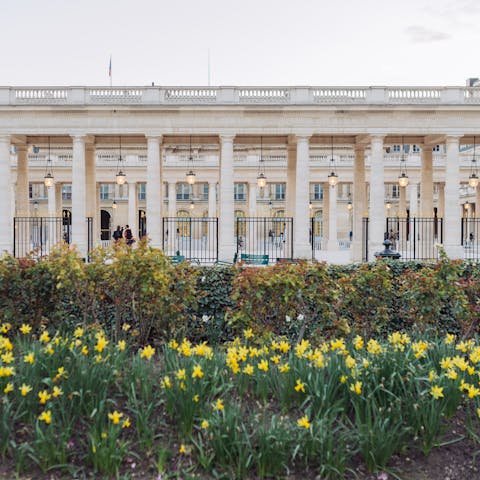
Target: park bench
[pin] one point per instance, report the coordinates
(254, 259)
(176, 259)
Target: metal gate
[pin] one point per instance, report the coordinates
(415, 238)
(470, 238)
(272, 236)
(38, 235)
(195, 238)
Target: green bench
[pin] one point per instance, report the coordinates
(176, 259)
(254, 259)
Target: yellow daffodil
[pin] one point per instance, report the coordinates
(8, 388)
(218, 405)
(29, 358)
(57, 392)
(356, 387)
(248, 369)
(182, 449)
(263, 365)
(121, 345)
(181, 374)
(25, 329)
(248, 333)
(126, 423)
(148, 352)
(126, 327)
(196, 398)
(78, 333)
(46, 416)
(303, 422)
(284, 346)
(84, 350)
(358, 342)
(102, 342)
(25, 390)
(436, 392)
(44, 396)
(197, 371)
(166, 382)
(6, 371)
(343, 379)
(205, 424)
(115, 417)
(44, 337)
(350, 362)
(300, 386)
(284, 368)
(374, 347)
(7, 357)
(449, 338)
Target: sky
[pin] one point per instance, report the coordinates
(251, 42)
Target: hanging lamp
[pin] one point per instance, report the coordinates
(190, 173)
(403, 177)
(261, 177)
(473, 179)
(120, 176)
(48, 179)
(333, 177)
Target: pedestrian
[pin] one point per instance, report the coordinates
(117, 234)
(128, 235)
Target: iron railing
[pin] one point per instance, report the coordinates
(365, 239)
(194, 238)
(415, 238)
(272, 236)
(470, 238)
(316, 234)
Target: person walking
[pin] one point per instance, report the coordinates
(117, 234)
(128, 235)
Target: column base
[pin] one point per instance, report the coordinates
(302, 251)
(454, 251)
(226, 252)
(332, 245)
(357, 253)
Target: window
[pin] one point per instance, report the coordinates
(415, 148)
(204, 192)
(66, 192)
(436, 148)
(240, 192)
(104, 191)
(395, 191)
(142, 191)
(279, 191)
(397, 148)
(184, 191)
(317, 191)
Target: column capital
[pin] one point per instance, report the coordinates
(377, 137)
(359, 147)
(226, 138)
(5, 138)
(22, 148)
(302, 137)
(451, 139)
(154, 137)
(80, 137)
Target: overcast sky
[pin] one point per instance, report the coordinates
(251, 42)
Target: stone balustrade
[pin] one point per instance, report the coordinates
(10, 96)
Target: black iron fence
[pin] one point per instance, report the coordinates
(272, 236)
(365, 239)
(194, 238)
(415, 238)
(38, 235)
(470, 238)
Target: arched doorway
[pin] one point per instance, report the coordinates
(240, 227)
(105, 225)
(183, 226)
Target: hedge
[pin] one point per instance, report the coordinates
(307, 300)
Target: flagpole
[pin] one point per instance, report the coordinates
(110, 70)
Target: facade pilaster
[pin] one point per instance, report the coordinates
(452, 240)
(441, 200)
(377, 196)
(22, 200)
(302, 247)
(332, 244)
(154, 200)
(325, 214)
(402, 202)
(6, 221)
(359, 202)
(426, 185)
(413, 194)
(132, 207)
(79, 225)
(226, 209)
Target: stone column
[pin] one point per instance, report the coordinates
(413, 194)
(359, 202)
(132, 208)
(477, 202)
(22, 199)
(172, 199)
(97, 234)
(377, 197)
(252, 199)
(91, 189)
(52, 201)
(154, 200)
(291, 176)
(452, 240)
(79, 223)
(212, 199)
(302, 247)
(332, 244)
(6, 221)
(441, 200)
(226, 248)
(426, 183)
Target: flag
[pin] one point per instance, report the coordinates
(110, 67)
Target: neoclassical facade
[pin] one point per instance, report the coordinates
(296, 136)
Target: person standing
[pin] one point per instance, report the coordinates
(117, 234)
(128, 235)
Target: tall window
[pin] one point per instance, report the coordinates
(204, 191)
(317, 191)
(395, 191)
(279, 191)
(240, 192)
(142, 191)
(66, 192)
(184, 191)
(104, 191)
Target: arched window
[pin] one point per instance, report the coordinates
(279, 223)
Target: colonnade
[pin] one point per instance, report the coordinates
(85, 195)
